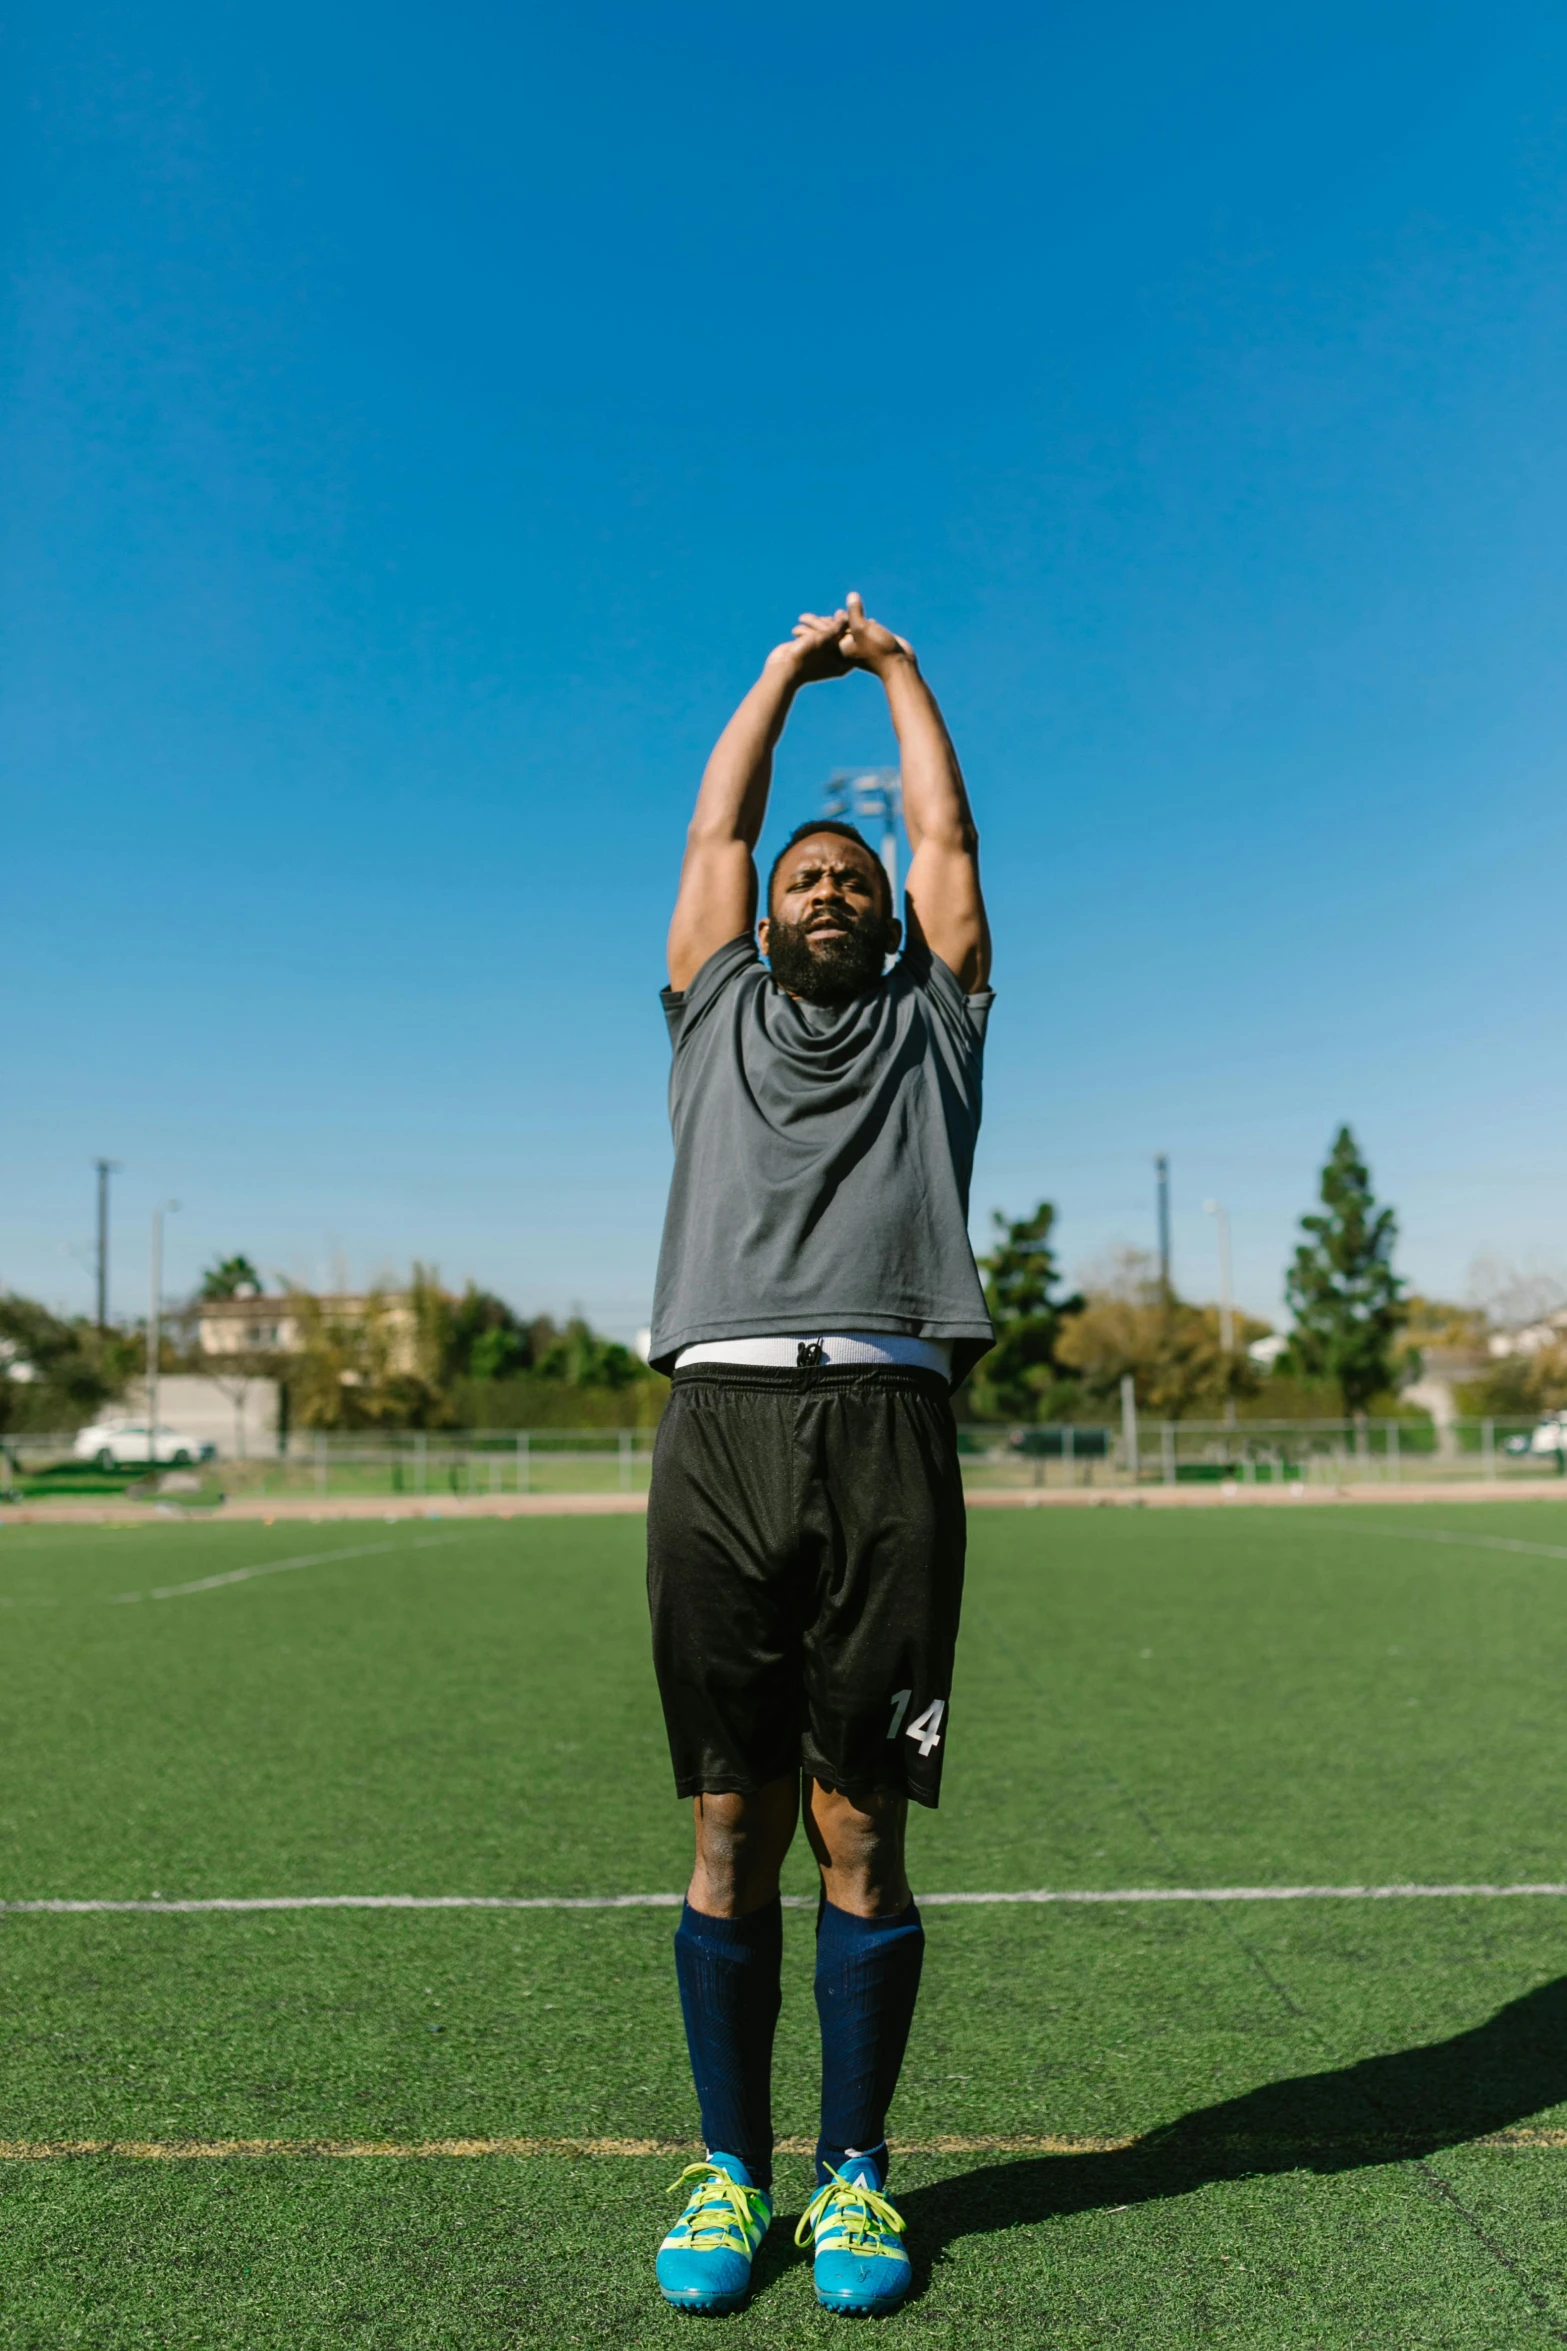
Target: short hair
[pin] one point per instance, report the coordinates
(847, 832)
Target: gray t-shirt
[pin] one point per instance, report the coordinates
(822, 1159)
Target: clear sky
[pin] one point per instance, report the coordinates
(420, 421)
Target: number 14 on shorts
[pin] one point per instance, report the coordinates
(925, 1727)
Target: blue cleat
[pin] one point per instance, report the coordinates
(861, 2268)
(704, 2264)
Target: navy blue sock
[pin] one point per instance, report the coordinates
(729, 1972)
(867, 1981)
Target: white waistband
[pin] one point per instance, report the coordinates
(783, 1354)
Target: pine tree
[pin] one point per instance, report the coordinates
(231, 1277)
(1346, 1299)
(1019, 1374)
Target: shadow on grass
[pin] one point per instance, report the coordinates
(1382, 2110)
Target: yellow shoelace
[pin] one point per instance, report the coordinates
(860, 2211)
(733, 2209)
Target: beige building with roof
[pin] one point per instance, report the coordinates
(231, 1327)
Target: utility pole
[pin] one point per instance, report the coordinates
(870, 795)
(1162, 1178)
(106, 1168)
(154, 1306)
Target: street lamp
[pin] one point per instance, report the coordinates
(154, 1303)
(1221, 1214)
(1221, 1217)
(106, 1168)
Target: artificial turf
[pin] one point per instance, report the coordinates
(1314, 2124)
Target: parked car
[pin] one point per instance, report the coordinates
(1547, 1436)
(127, 1444)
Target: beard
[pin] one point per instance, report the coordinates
(831, 971)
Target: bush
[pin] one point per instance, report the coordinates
(533, 1400)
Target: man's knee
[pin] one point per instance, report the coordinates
(741, 1840)
(858, 1844)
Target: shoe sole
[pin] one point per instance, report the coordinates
(880, 2309)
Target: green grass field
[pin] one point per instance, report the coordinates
(1317, 2123)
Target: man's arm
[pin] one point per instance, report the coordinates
(717, 896)
(945, 903)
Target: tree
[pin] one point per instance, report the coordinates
(580, 1357)
(55, 1374)
(1132, 1326)
(1516, 1387)
(375, 1366)
(231, 1277)
(1019, 1378)
(1347, 1301)
(485, 1338)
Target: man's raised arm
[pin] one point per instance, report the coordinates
(943, 888)
(717, 896)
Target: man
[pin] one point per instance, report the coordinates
(816, 1302)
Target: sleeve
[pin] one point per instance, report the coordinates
(686, 1008)
(963, 1017)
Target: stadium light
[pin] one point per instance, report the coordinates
(870, 796)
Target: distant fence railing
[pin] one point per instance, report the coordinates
(435, 1462)
(378, 1461)
(1258, 1452)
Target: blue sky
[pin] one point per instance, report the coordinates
(420, 422)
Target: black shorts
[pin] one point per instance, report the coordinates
(805, 1571)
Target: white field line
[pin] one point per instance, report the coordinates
(1510, 2142)
(1468, 1542)
(243, 1575)
(1037, 1894)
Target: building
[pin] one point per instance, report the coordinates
(237, 1412)
(1533, 1338)
(247, 1326)
(256, 1325)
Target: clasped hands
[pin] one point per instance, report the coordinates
(830, 644)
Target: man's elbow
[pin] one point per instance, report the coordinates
(704, 834)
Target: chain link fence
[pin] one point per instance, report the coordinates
(432, 1463)
(429, 1462)
(1144, 1452)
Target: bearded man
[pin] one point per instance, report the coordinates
(817, 1302)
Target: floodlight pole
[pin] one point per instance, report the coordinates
(106, 1168)
(1129, 1426)
(153, 1333)
(1221, 1217)
(1162, 1180)
(873, 795)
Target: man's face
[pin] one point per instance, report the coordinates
(828, 932)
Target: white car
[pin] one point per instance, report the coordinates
(124, 1444)
(1550, 1436)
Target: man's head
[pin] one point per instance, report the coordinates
(829, 925)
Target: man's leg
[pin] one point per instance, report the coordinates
(740, 1846)
(721, 1579)
(728, 1953)
(869, 1947)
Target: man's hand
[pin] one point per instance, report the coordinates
(865, 644)
(815, 648)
